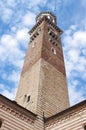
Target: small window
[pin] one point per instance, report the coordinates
(34, 35)
(56, 37)
(0, 123)
(50, 33)
(37, 33)
(32, 38)
(53, 36)
(85, 127)
(48, 29)
(50, 39)
(53, 50)
(53, 43)
(28, 98)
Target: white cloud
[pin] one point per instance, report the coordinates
(75, 59)
(75, 96)
(37, 2)
(7, 47)
(1, 86)
(11, 3)
(10, 48)
(12, 55)
(13, 76)
(73, 55)
(5, 12)
(75, 92)
(8, 41)
(83, 3)
(9, 94)
(13, 29)
(73, 27)
(22, 34)
(28, 19)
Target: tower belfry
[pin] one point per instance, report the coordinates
(42, 87)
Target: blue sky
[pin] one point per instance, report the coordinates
(17, 17)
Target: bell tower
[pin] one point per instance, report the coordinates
(42, 87)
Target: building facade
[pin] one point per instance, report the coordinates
(42, 101)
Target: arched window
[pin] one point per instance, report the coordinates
(53, 50)
(27, 98)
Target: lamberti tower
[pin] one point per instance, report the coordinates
(42, 87)
(42, 97)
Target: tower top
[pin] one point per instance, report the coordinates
(47, 14)
(49, 18)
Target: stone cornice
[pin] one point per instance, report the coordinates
(13, 108)
(65, 115)
(48, 21)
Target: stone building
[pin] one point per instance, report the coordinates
(42, 101)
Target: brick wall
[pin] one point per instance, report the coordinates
(52, 94)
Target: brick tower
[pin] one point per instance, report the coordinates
(42, 87)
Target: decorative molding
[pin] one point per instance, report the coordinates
(15, 113)
(66, 117)
(48, 21)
